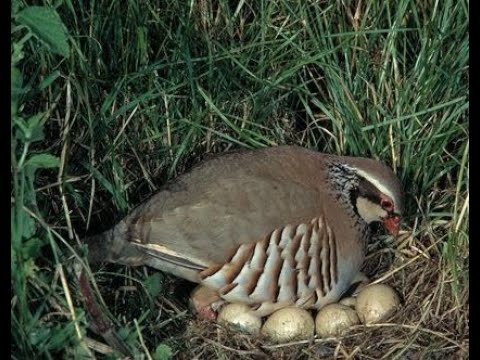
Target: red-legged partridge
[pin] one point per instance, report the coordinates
(269, 228)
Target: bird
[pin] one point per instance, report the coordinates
(272, 227)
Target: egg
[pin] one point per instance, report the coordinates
(348, 301)
(288, 324)
(376, 302)
(240, 317)
(334, 320)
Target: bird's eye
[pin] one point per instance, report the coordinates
(386, 205)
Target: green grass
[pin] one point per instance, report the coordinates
(143, 90)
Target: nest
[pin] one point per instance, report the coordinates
(432, 321)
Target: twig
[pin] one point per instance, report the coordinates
(169, 130)
(240, 352)
(68, 297)
(462, 213)
(101, 324)
(90, 202)
(172, 306)
(98, 346)
(124, 126)
(417, 328)
(390, 273)
(66, 130)
(58, 183)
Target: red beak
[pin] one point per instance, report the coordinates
(392, 224)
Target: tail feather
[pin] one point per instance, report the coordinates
(98, 247)
(113, 246)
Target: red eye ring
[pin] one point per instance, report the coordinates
(386, 205)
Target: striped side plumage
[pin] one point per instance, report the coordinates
(293, 265)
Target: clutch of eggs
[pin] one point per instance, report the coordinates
(374, 303)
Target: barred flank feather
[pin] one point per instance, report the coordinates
(292, 264)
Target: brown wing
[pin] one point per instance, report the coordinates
(227, 202)
(206, 233)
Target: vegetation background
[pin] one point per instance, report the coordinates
(111, 99)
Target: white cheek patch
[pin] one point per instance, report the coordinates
(370, 211)
(375, 182)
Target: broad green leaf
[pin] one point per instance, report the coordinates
(43, 161)
(29, 267)
(28, 225)
(17, 54)
(37, 134)
(30, 129)
(19, 122)
(35, 127)
(46, 25)
(31, 248)
(163, 352)
(123, 333)
(153, 284)
(34, 120)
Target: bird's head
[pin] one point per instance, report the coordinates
(371, 189)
